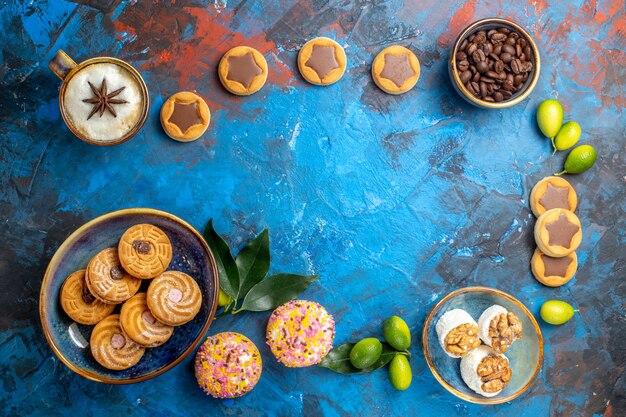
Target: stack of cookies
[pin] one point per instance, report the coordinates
(113, 277)
(557, 232)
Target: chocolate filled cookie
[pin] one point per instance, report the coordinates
(395, 70)
(145, 251)
(551, 193)
(185, 116)
(79, 303)
(322, 61)
(107, 280)
(553, 272)
(140, 325)
(112, 348)
(243, 70)
(174, 298)
(558, 232)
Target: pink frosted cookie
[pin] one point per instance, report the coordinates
(300, 333)
(228, 365)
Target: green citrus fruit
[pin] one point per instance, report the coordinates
(568, 136)
(224, 299)
(556, 312)
(400, 373)
(396, 333)
(365, 353)
(580, 159)
(550, 117)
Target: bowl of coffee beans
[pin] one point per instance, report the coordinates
(494, 64)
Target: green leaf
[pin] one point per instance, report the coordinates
(338, 359)
(276, 290)
(226, 266)
(253, 262)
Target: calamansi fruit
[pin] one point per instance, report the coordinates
(396, 333)
(580, 159)
(365, 353)
(550, 117)
(568, 136)
(400, 373)
(556, 312)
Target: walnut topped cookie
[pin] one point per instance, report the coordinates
(551, 193)
(395, 70)
(558, 232)
(243, 70)
(185, 116)
(145, 251)
(322, 61)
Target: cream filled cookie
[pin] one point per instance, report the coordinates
(243, 70)
(140, 325)
(79, 303)
(107, 280)
(174, 298)
(551, 193)
(111, 347)
(395, 70)
(145, 251)
(322, 61)
(553, 272)
(558, 232)
(185, 116)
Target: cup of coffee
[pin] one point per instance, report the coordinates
(104, 101)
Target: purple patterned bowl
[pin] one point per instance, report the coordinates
(70, 340)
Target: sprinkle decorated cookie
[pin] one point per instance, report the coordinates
(243, 70)
(145, 251)
(300, 333)
(228, 365)
(111, 347)
(322, 61)
(395, 70)
(185, 116)
(107, 280)
(79, 303)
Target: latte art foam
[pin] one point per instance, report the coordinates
(107, 127)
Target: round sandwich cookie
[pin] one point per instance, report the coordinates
(551, 193)
(107, 280)
(174, 298)
(112, 348)
(395, 70)
(140, 325)
(145, 251)
(79, 303)
(558, 232)
(243, 70)
(322, 61)
(228, 365)
(300, 333)
(553, 272)
(185, 116)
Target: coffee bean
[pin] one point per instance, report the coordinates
(516, 66)
(482, 67)
(466, 76)
(470, 88)
(476, 77)
(487, 47)
(506, 31)
(462, 65)
(498, 97)
(478, 56)
(461, 56)
(471, 48)
(523, 43)
(518, 80)
(527, 51)
(492, 74)
(475, 86)
(489, 99)
(487, 80)
(481, 37)
(506, 57)
(502, 75)
(498, 37)
(483, 89)
(491, 33)
(508, 85)
(464, 44)
(522, 57)
(497, 50)
(518, 50)
(508, 49)
(510, 40)
(506, 94)
(499, 66)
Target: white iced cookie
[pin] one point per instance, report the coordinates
(103, 101)
(457, 332)
(499, 328)
(485, 372)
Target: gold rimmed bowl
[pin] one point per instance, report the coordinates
(525, 355)
(70, 340)
(488, 24)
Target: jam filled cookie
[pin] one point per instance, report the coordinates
(140, 325)
(79, 304)
(111, 348)
(558, 232)
(322, 61)
(243, 70)
(145, 251)
(553, 272)
(395, 70)
(550, 193)
(185, 116)
(174, 298)
(107, 280)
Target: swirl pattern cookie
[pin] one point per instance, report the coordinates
(185, 116)
(551, 193)
(111, 348)
(553, 272)
(395, 70)
(243, 70)
(140, 325)
(145, 251)
(79, 303)
(558, 232)
(174, 298)
(107, 280)
(322, 61)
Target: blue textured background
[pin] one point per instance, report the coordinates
(394, 201)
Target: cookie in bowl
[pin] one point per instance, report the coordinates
(145, 251)
(174, 298)
(111, 347)
(79, 304)
(140, 325)
(107, 280)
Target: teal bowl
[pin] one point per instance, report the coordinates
(70, 340)
(525, 355)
